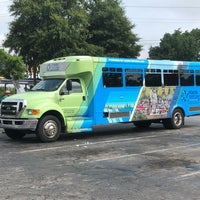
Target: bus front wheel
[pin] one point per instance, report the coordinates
(49, 128)
(176, 121)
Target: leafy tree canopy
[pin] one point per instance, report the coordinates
(110, 29)
(178, 46)
(44, 29)
(11, 67)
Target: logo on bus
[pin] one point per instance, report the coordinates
(52, 67)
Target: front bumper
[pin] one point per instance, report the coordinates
(19, 124)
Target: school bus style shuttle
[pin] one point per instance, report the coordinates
(79, 92)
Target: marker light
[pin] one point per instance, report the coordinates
(34, 112)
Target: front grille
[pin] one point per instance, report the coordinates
(12, 107)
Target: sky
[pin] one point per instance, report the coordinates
(152, 19)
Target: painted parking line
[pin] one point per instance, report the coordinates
(127, 139)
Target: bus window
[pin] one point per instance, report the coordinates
(198, 77)
(153, 78)
(112, 77)
(187, 77)
(76, 87)
(170, 77)
(134, 77)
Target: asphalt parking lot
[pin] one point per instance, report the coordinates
(117, 162)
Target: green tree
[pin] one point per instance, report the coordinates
(110, 29)
(178, 46)
(12, 67)
(44, 29)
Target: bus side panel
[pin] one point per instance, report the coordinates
(154, 103)
(125, 104)
(113, 104)
(140, 103)
(189, 99)
(189, 96)
(92, 89)
(119, 105)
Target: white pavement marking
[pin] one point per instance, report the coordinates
(41, 149)
(127, 139)
(184, 176)
(138, 154)
(95, 143)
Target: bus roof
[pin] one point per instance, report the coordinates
(58, 66)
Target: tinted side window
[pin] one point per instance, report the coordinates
(170, 77)
(187, 77)
(134, 77)
(198, 77)
(153, 78)
(112, 77)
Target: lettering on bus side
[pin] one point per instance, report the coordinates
(52, 67)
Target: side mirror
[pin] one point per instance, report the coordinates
(69, 85)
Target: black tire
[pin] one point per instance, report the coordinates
(177, 120)
(48, 129)
(14, 134)
(142, 124)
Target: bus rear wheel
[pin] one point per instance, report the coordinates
(177, 120)
(48, 129)
(14, 134)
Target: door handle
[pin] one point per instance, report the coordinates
(84, 98)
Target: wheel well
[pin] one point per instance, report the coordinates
(58, 115)
(180, 109)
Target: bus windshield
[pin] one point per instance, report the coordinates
(48, 85)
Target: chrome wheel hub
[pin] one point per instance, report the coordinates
(50, 129)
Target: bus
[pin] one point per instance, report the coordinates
(78, 92)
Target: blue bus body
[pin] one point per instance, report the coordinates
(141, 100)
